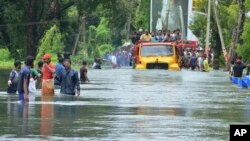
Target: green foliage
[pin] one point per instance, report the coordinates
(99, 39)
(77, 60)
(198, 26)
(19, 17)
(103, 32)
(244, 49)
(11, 35)
(142, 17)
(5, 54)
(105, 48)
(52, 42)
(228, 17)
(72, 13)
(247, 5)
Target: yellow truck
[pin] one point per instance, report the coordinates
(160, 55)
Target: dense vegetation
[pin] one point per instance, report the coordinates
(87, 29)
(90, 28)
(235, 28)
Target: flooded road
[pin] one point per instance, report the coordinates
(126, 105)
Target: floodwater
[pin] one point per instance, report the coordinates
(126, 105)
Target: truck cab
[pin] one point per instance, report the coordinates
(161, 55)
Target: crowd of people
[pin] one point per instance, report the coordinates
(119, 58)
(23, 79)
(194, 59)
(62, 75)
(159, 36)
(122, 57)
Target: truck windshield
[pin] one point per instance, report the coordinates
(157, 51)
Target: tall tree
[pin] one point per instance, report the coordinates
(33, 18)
(243, 48)
(32, 34)
(238, 30)
(142, 19)
(228, 15)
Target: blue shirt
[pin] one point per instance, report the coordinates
(59, 69)
(14, 78)
(193, 60)
(69, 82)
(24, 74)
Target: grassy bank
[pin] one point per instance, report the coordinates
(76, 63)
(6, 64)
(5, 61)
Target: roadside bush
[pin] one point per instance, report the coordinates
(5, 54)
(52, 42)
(244, 49)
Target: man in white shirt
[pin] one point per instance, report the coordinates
(113, 61)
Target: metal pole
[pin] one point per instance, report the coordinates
(167, 19)
(208, 28)
(151, 16)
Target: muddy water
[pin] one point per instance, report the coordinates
(126, 104)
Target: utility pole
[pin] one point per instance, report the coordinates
(220, 32)
(151, 16)
(208, 29)
(167, 20)
(84, 35)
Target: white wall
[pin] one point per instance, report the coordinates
(190, 35)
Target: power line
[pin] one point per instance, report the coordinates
(32, 23)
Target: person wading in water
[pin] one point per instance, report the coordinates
(48, 73)
(69, 80)
(13, 79)
(59, 69)
(83, 73)
(24, 79)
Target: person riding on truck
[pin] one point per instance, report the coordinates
(146, 37)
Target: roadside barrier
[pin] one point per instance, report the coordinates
(241, 82)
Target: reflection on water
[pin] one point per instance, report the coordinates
(24, 118)
(4, 76)
(131, 105)
(18, 117)
(247, 109)
(156, 111)
(47, 116)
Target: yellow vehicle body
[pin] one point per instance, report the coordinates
(167, 62)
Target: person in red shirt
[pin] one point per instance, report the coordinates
(48, 74)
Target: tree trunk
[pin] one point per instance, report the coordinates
(128, 27)
(81, 27)
(237, 33)
(217, 51)
(240, 21)
(76, 43)
(84, 50)
(31, 45)
(34, 31)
